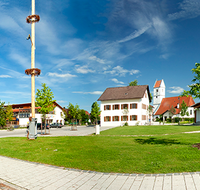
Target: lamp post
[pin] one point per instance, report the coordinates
(32, 19)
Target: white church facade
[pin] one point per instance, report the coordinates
(162, 105)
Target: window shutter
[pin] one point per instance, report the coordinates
(113, 107)
(122, 106)
(113, 118)
(121, 118)
(131, 106)
(104, 107)
(104, 118)
(109, 118)
(117, 118)
(109, 107)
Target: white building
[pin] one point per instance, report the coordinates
(158, 94)
(125, 104)
(162, 105)
(22, 112)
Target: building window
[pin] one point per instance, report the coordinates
(156, 96)
(190, 112)
(133, 118)
(124, 118)
(133, 106)
(144, 106)
(24, 115)
(116, 107)
(156, 90)
(107, 107)
(144, 117)
(107, 118)
(115, 118)
(124, 106)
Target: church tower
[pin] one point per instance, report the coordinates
(158, 94)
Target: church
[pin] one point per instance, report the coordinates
(163, 105)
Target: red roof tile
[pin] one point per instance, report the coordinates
(157, 84)
(167, 103)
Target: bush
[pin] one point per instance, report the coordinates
(169, 120)
(125, 124)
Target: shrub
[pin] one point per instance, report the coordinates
(125, 124)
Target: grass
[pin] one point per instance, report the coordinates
(124, 154)
(151, 130)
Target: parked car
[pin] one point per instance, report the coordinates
(56, 125)
(39, 126)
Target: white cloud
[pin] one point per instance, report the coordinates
(118, 70)
(5, 76)
(20, 59)
(135, 34)
(175, 90)
(116, 81)
(94, 58)
(83, 69)
(67, 75)
(189, 9)
(94, 92)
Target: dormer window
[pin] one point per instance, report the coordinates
(126, 93)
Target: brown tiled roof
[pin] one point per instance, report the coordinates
(127, 92)
(157, 84)
(167, 103)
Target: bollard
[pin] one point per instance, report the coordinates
(97, 130)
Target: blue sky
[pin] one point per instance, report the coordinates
(84, 47)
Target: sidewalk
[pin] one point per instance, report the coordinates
(27, 175)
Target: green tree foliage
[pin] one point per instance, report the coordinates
(133, 83)
(9, 113)
(183, 109)
(84, 116)
(95, 112)
(73, 111)
(3, 115)
(195, 87)
(44, 100)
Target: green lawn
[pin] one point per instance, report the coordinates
(124, 154)
(151, 130)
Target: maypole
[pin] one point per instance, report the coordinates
(32, 19)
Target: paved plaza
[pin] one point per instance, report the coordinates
(18, 174)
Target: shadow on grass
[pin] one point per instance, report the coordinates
(157, 141)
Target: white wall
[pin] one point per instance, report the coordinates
(139, 111)
(158, 96)
(56, 116)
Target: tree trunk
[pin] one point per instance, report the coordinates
(45, 124)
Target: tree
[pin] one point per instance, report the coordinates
(44, 100)
(150, 112)
(73, 111)
(84, 116)
(9, 113)
(133, 83)
(194, 88)
(172, 110)
(2, 114)
(183, 109)
(95, 112)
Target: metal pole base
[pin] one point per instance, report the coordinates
(33, 129)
